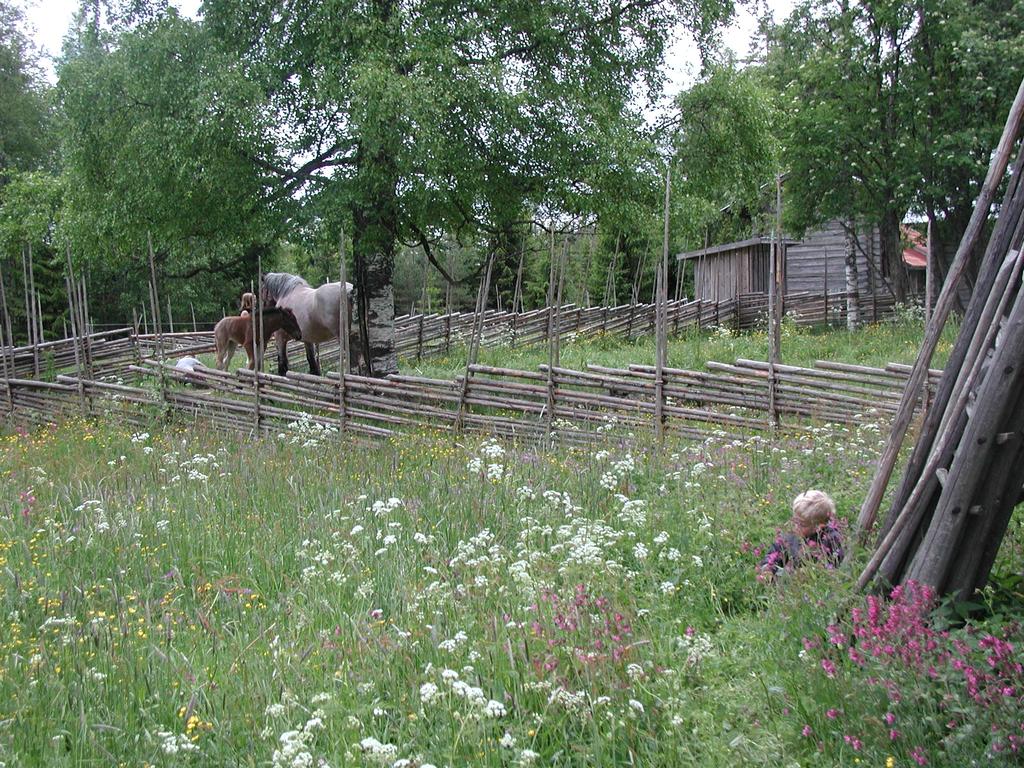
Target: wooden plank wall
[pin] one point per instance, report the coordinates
(821, 257)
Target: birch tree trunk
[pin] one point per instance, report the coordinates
(852, 296)
(375, 219)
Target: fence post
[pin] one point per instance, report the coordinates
(9, 371)
(74, 329)
(135, 336)
(29, 313)
(419, 337)
(154, 297)
(256, 319)
(661, 322)
(474, 342)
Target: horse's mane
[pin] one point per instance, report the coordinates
(278, 284)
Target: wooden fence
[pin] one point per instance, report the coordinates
(116, 373)
(424, 335)
(578, 405)
(419, 336)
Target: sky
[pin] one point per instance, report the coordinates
(50, 20)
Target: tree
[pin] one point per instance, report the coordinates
(841, 70)
(158, 136)
(966, 66)
(724, 150)
(25, 117)
(411, 115)
(30, 207)
(892, 107)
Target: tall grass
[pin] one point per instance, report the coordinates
(175, 597)
(873, 345)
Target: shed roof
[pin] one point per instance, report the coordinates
(915, 254)
(717, 249)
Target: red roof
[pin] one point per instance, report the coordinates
(915, 250)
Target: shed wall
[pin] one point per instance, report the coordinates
(818, 262)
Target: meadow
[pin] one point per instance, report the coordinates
(171, 596)
(873, 345)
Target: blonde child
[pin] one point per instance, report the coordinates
(814, 535)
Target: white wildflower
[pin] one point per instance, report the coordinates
(428, 692)
(494, 709)
(527, 757)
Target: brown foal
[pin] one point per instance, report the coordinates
(240, 330)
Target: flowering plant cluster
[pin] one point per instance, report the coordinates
(958, 691)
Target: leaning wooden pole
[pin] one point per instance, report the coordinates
(943, 307)
(895, 541)
(998, 397)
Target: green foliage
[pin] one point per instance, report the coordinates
(892, 107)
(30, 205)
(170, 147)
(725, 149)
(157, 141)
(26, 142)
(30, 208)
(966, 66)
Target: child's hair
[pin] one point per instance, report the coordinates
(813, 508)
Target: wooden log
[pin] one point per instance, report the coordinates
(943, 306)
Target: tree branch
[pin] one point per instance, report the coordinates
(424, 241)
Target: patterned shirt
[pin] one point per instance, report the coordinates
(824, 546)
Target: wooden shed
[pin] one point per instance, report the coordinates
(815, 264)
(727, 271)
